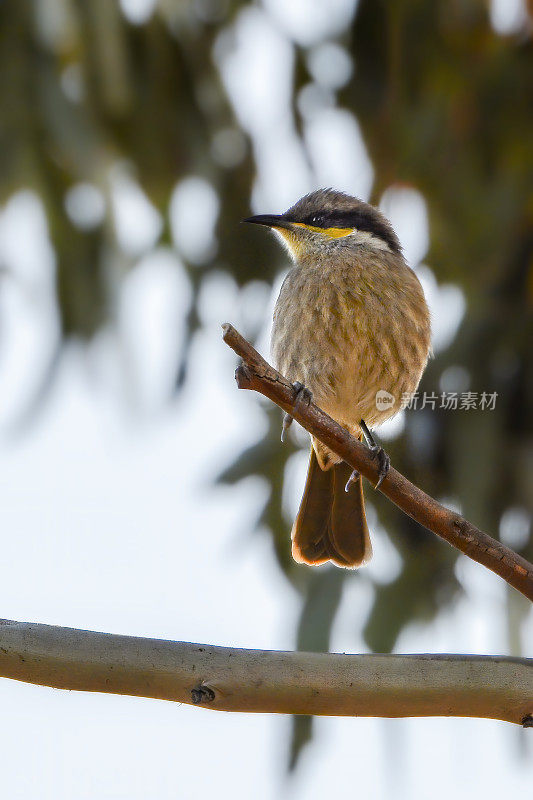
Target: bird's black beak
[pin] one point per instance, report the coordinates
(270, 220)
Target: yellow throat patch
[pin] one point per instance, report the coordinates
(295, 244)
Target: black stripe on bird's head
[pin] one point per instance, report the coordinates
(328, 209)
(333, 214)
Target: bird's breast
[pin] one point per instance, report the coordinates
(347, 333)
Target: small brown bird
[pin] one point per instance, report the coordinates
(352, 326)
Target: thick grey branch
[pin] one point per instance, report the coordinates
(229, 679)
(258, 375)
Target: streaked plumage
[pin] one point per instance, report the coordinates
(351, 319)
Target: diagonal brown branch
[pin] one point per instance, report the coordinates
(234, 679)
(255, 373)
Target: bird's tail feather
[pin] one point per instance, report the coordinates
(331, 523)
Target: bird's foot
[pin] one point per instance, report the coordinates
(382, 457)
(352, 479)
(303, 395)
(383, 463)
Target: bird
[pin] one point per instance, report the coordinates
(351, 330)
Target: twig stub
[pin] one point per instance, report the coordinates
(202, 694)
(242, 377)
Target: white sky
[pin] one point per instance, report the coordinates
(111, 521)
(106, 527)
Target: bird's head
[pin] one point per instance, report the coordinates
(326, 220)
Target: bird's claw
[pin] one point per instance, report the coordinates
(303, 395)
(352, 479)
(286, 424)
(383, 463)
(378, 452)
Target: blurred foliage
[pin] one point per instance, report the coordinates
(444, 104)
(446, 111)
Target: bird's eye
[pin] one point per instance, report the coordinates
(316, 220)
